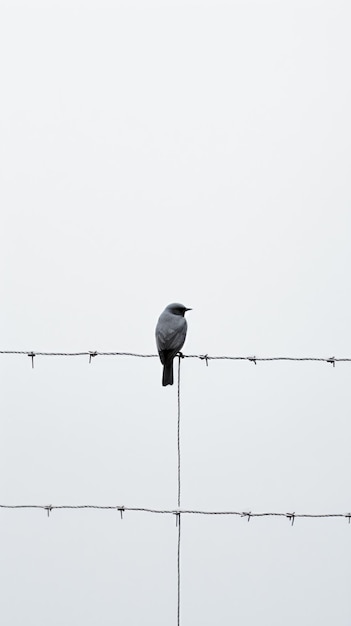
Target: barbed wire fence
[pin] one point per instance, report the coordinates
(178, 512)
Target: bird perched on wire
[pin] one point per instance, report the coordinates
(170, 336)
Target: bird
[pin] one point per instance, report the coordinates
(170, 336)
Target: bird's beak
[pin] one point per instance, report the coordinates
(188, 309)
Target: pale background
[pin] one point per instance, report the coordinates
(175, 151)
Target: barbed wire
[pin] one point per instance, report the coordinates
(291, 516)
(203, 357)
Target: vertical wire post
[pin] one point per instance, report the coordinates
(178, 573)
(179, 431)
(178, 515)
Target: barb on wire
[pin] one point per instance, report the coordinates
(248, 515)
(291, 518)
(204, 357)
(121, 509)
(177, 512)
(91, 355)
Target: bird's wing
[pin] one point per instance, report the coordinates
(171, 333)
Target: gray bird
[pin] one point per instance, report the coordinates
(170, 336)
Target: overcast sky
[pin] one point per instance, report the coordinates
(166, 151)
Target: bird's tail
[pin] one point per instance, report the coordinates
(167, 378)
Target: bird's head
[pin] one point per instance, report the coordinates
(177, 309)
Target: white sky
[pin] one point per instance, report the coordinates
(159, 152)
